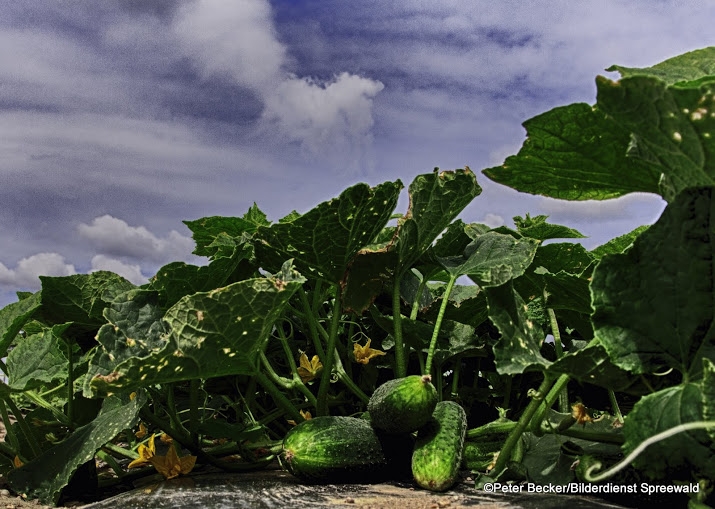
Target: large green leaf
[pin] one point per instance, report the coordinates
(80, 298)
(655, 303)
(618, 244)
(492, 259)
(538, 228)
(208, 334)
(38, 359)
(216, 236)
(708, 387)
(593, 365)
(576, 152)
(323, 241)
(177, 279)
(13, 317)
(46, 475)
(681, 454)
(518, 348)
(671, 128)
(686, 67)
(435, 201)
(645, 134)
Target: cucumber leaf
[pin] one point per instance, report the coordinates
(323, 241)
(681, 454)
(518, 348)
(45, 476)
(655, 303)
(435, 201)
(205, 335)
(13, 317)
(38, 359)
(686, 67)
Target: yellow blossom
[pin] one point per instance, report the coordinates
(166, 439)
(17, 462)
(308, 370)
(146, 452)
(363, 354)
(172, 465)
(142, 431)
(304, 414)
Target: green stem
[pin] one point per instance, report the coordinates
(455, 377)
(295, 383)
(171, 409)
(416, 302)
(24, 428)
(328, 361)
(40, 401)
(109, 460)
(556, 332)
(614, 405)
(3, 368)
(400, 358)
(690, 426)
(278, 397)
(121, 451)
(549, 400)
(185, 441)
(438, 323)
(584, 434)
(194, 410)
(348, 381)
(521, 426)
(70, 381)
(312, 324)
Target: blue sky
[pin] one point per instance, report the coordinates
(119, 119)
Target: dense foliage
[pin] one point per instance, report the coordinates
(582, 354)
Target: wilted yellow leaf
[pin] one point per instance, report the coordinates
(308, 370)
(363, 354)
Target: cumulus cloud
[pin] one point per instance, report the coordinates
(239, 40)
(493, 220)
(114, 237)
(26, 272)
(131, 273)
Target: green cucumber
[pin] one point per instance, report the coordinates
(342, 449)
(439, 447)
(403, 405)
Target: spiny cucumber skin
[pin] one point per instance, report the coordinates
(403, 405)
(334, 449)
(439, 447)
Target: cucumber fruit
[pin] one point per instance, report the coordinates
(439, 447)
(402, 405)
(342, 449)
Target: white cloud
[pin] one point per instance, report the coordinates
(129, 272)
(239, 40)
(26, 272)
(333, 117)
(115, 237)
(493, 220)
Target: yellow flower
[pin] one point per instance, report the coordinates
(172, 465)
(305, 415)
(308, 370)
(17, 462)
(142, 431)
(166, 439)
(363, 354)
(146, 452)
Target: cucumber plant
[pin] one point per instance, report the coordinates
(558, 354)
